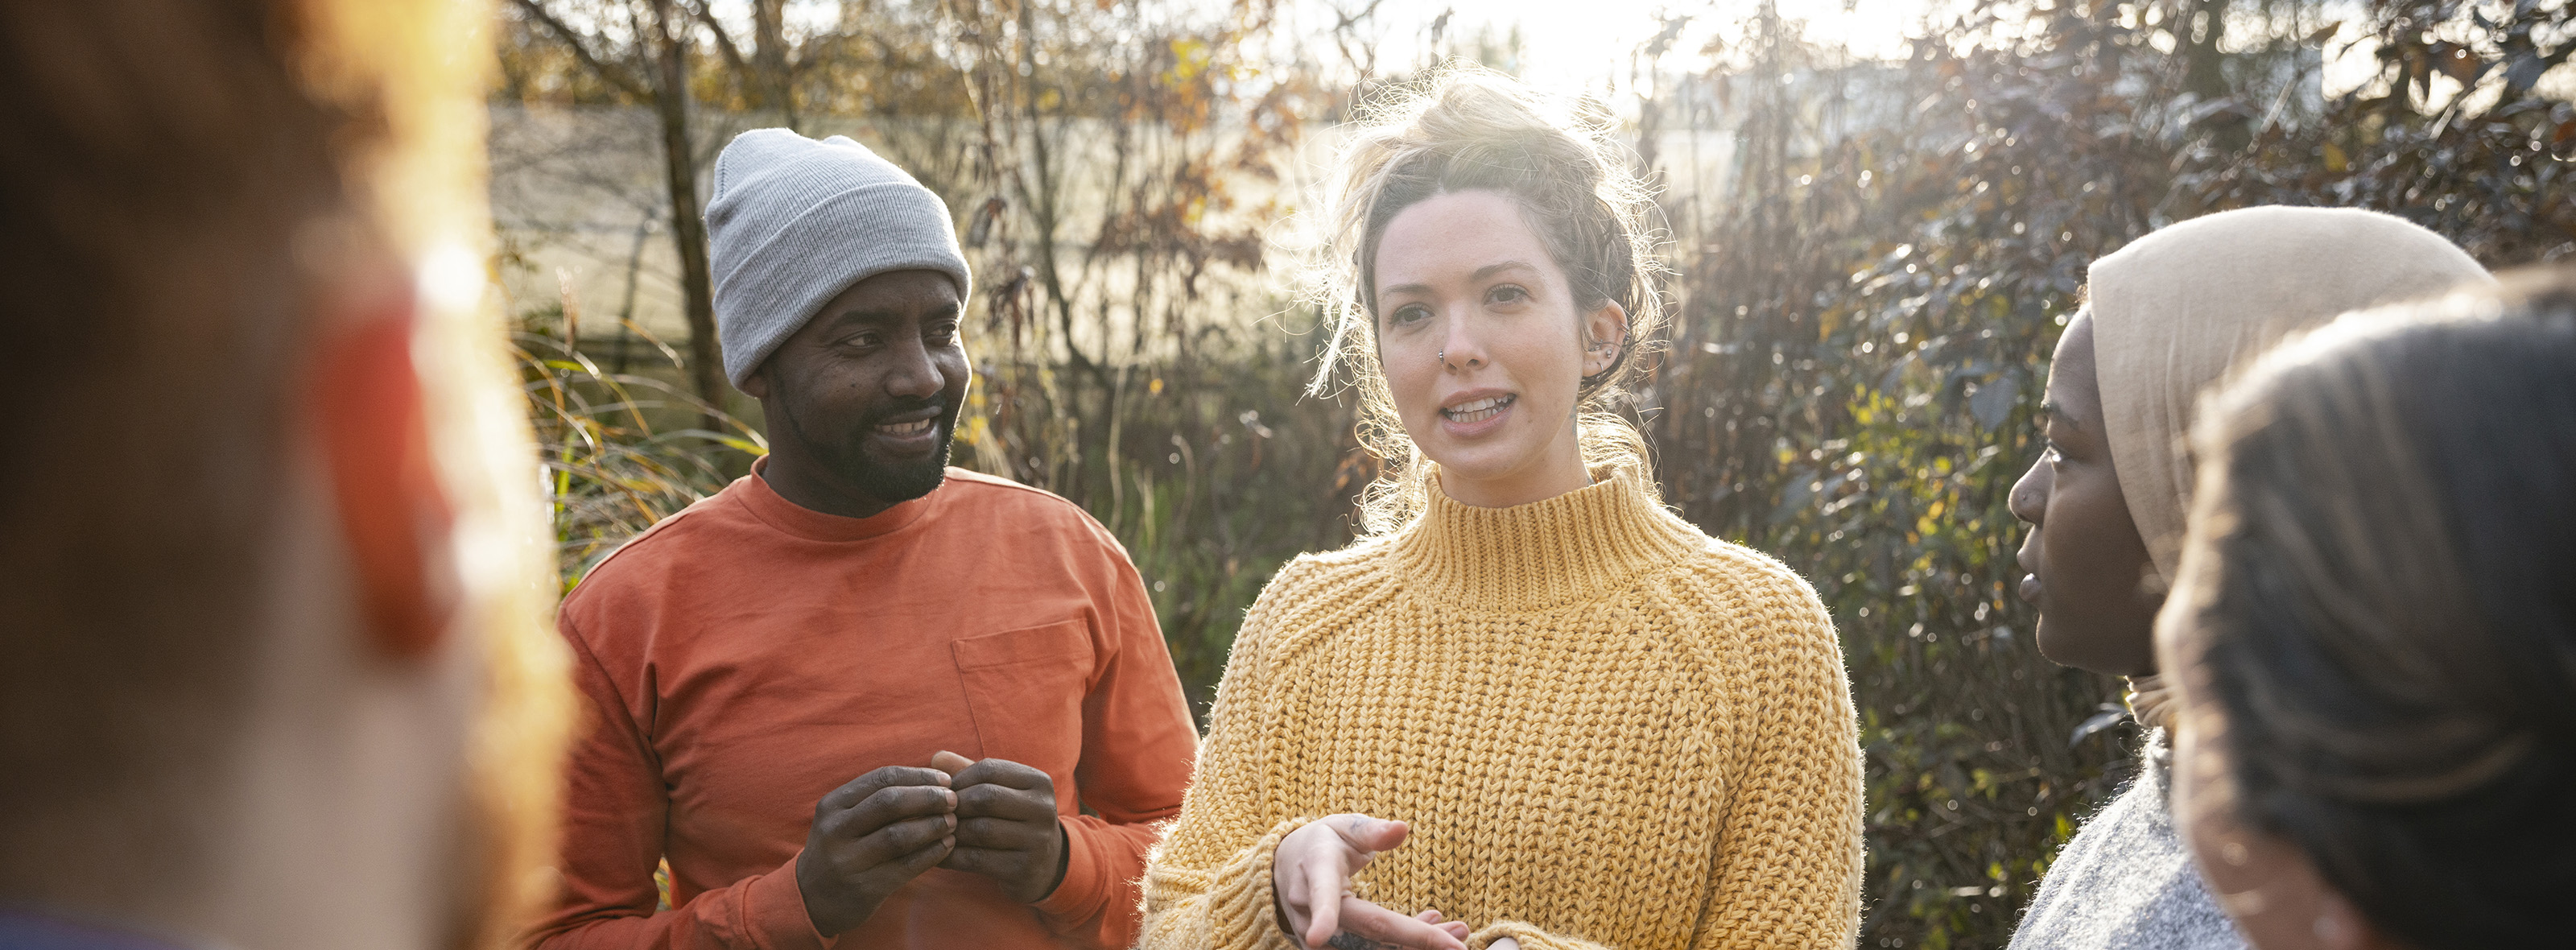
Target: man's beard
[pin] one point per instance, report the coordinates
(884, 481)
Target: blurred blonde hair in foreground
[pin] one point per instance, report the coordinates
(215, 724)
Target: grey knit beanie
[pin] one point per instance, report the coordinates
(794, 222)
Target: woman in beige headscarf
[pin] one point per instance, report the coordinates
(2166, 317)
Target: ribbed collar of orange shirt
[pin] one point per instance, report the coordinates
(774, 510)
(1563, 550)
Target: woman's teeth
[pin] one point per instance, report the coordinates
(1477, 411)
(907, 428)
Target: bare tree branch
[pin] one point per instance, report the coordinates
(581, 50)
(724, 41)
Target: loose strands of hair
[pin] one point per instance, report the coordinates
(1465, 128)
(2378, 599)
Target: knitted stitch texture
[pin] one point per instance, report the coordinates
(1606, 729)
(2127, 882)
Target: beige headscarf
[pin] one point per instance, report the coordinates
(2183, 308)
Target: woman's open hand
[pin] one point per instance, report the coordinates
(1311, 874)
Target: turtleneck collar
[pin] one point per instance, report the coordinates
(774, 510)
(1570, 548)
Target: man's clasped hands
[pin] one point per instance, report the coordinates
(1310, 875)
(995, 817)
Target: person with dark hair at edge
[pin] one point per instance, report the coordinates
(859, 696)
(2374, 631)
(2165, 317)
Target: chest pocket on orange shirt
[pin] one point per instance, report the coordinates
(1025, 688)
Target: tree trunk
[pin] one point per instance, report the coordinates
(688, 221)
(769, 57)
(2202, 28)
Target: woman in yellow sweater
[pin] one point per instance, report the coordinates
(1532, 700)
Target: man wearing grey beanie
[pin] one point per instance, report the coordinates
(860, 697)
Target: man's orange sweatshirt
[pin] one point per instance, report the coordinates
(745, 656)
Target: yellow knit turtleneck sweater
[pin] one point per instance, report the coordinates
(1606, 730)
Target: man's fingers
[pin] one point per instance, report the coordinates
(1385, 926)
(890, 805)
(996, 801)
(1004, 834)
(1005, 773)
(989, 862)
(858, 789)
(927, 856)
(893, 841)
(950, 762)
(967, 858)
(890, 844)
(908, 865)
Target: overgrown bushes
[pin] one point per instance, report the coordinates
(1867, 310)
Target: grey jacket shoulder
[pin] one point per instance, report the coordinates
(2127, 882)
